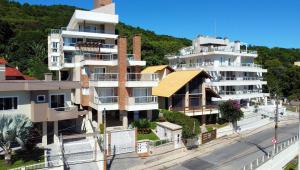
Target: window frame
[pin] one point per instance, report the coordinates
(12, 97)
(39, 101)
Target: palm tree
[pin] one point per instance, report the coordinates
(13, 128)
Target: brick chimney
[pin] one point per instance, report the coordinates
(122, 69)
(100, 3)
(137, 47)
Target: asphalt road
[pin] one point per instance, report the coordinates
(235, 156)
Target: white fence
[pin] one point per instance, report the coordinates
(276, 156)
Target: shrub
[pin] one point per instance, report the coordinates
(101, 128)
(143, 126)
(190, 126)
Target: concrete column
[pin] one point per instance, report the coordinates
(55, 137)
(187, 95)
(203, 120)
(90, 115)
(100, 117)
(266, 101)
(44, 138)
(203, 93)
(124, 116)
(149, 115)
(136, 115)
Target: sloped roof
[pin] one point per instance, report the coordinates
(174, 81)
(12, 72)
(154, 69)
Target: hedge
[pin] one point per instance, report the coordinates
(190, 126)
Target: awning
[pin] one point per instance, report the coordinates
(174, 81)
(154, 69)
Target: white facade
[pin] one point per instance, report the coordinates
(87, 50)
(231, 64)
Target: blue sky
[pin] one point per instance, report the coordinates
(260, 22)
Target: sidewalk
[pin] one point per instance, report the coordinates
(168, 160)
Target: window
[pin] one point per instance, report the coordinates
(54, 47)
(41, 98)
(8, 103)
(57, 101)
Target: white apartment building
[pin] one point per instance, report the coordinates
(231, 64)
(89, 50)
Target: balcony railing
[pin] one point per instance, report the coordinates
(211, 64)
(100, 57)
(84, 30)
(105, 77)
(55, 64)
(111, 46)
(239, 92)
(130, 57)
(142, 100)
(142, 77)
(66, 109)
(106, 100)
(240, 78)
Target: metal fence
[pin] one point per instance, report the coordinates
(263, 159)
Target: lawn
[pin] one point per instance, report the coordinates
(150, 136)
(292, 165)
(23, 158)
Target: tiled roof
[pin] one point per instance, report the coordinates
(12, 72)
(2, 61)
(154, 69)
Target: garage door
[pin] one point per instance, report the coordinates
(122, 141)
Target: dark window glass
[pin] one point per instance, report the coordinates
(8, 103)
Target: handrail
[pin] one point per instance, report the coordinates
(100, 57)
(142, 77)
(211, 64)
(142, 99)
(241, 78)
(105, 77)
(239, 92)
(106, 100)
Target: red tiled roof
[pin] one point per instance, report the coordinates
(12, 72)
(3, 61)
(28, 78)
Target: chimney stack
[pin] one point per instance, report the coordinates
(100, 3)
(137, 47)
(48, 76)
(122, 69)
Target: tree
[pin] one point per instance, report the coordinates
(231, 111)
(14, 128)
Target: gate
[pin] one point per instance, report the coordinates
(209, 136)
(121, 141)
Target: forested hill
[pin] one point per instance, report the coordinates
(23, 38)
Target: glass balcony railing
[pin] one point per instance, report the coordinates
(142, 100)
(142, 77)
(240, 78)
(105, 77)
(100, 57)
(211, 64)
(239, 92)
(106, 100)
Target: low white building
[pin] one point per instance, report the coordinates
(169, 131)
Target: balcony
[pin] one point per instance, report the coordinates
(210, 66)
(100, 59)
(88, 33)
(197, 110)
(106, 102)
(133, 62)
(142, 103)
(142, 80)
(104, 80)
(241, 94)
(42, 112)
(237, 81)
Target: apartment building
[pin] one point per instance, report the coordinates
(185, 91)
(48, 104)
(88, 50)
(231, 64)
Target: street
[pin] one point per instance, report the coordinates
(236, 155)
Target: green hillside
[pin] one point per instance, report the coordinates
(24, 30)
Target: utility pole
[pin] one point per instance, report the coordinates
(276, 124)
(299, 137)
(104, 139)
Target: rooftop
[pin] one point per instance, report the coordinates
(154, 69)
(169, 125)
